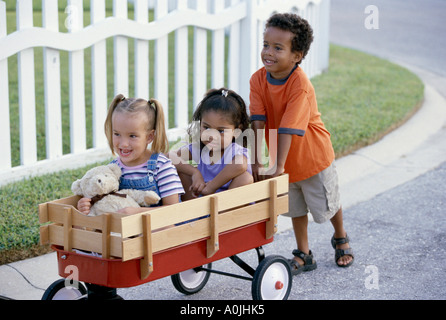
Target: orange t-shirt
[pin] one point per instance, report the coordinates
(289, 106)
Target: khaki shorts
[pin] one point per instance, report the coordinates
(318, 195)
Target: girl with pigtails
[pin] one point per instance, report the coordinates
(131, 125)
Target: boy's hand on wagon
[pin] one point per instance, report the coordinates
(256, 171)
(270, 173)
(84, 205)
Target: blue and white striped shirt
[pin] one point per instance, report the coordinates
(166, 175)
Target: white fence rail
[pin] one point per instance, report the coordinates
(236, 28)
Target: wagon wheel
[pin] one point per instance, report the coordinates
(59, 290)
(191, 281)
(272, 279)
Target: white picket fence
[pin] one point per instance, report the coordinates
(240, 22)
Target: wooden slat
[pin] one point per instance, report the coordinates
(165, 216)
(106, 224)
(67, 228)
(162, 240)
(212, 243)
(43, 207)
(146, 263)
(271, 225)
(44, 235)
(134, 248)
(54, 212)
(269, 196)
(85, 240)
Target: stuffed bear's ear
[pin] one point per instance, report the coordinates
(115, 169)
(76, 187)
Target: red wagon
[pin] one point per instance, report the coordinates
(145, 247)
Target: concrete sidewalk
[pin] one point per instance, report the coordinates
(411, 150)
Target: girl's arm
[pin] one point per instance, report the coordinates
(180, 160)
(238, 166)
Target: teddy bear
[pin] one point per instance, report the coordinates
(101, 185)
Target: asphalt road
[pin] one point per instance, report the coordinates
(410, 32)
(398, 236)
(399, 239)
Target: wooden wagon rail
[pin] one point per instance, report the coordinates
(128, 237)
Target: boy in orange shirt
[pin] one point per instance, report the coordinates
(283, 98)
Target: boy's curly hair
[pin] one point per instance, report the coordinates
(303, 33)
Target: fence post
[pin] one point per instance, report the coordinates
(78, 133)
(218, 51)
(248, 48)
(141, 52)
(5, 135)
(181, 73)
(51, 63)
(121, 52)
(162, 62)
(200, 57)
(27, 95)
(234, 55)
(98, 78)
(324, 35)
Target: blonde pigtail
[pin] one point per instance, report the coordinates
(160, 143)
(108, 121)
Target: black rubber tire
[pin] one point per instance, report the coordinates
(59, 290)
(273, 270)
(189, 281)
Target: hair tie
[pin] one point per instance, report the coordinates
(123, 98)
(224, 93)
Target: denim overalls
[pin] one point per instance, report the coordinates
(148, 183)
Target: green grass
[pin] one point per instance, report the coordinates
(361, 98)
